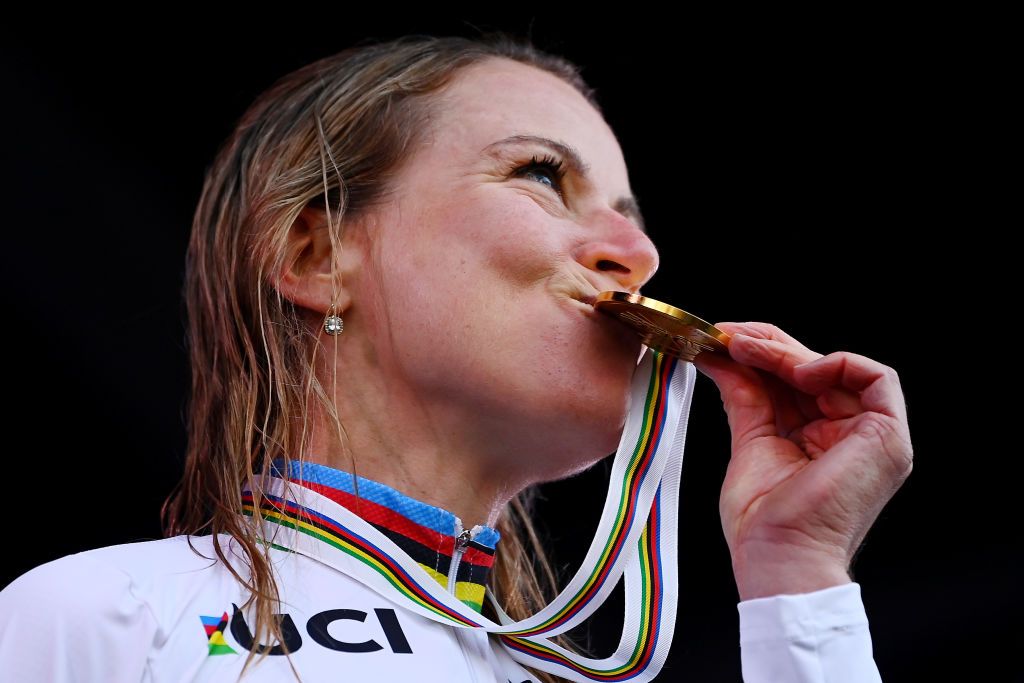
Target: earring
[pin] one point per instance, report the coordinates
(333, 324)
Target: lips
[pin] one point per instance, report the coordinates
(583, 290)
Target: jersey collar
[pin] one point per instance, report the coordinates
(427, 533)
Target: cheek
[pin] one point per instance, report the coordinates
(465, 277)
(495, 238)
(471, 316)
(523, 243)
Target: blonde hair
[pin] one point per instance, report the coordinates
(331, 133)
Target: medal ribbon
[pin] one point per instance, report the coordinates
(637, 536)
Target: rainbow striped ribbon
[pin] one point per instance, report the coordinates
(640, 513)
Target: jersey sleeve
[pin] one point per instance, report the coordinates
(74, 619)
(815, 637)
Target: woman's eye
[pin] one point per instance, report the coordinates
(541, 173)
(549, 167)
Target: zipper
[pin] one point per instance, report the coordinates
(461, 541)
(470, 648)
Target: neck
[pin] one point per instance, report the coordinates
(467, 493)
(468, 447)
(460, 559)
(420, 448)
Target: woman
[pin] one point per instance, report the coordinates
(391, 346)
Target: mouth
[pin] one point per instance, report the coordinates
(627, 336)
(571, 284)
(585, 294)
(589, 299)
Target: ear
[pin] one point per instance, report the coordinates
(305, 278)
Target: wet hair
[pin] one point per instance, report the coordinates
(332, 133)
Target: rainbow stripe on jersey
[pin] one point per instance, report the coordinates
(636, 538)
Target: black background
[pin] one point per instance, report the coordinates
(818, 173)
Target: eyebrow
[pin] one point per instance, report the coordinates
(626, 205)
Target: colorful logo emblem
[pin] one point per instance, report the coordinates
(215, 632)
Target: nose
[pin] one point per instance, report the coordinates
(619, 249)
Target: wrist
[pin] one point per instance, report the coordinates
(791, 574)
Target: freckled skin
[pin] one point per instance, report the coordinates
(465, 371)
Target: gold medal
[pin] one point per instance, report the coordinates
(664, 328)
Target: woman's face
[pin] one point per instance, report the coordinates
(473, 305)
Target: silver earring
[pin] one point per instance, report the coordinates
(333, 324)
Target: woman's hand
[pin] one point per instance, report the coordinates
(819, 446)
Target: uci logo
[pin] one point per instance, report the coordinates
(316, 628)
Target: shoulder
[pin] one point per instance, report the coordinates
(78, 617)
(164, 557)
(115, 578)
(81, 579)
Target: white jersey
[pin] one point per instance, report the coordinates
(156, 611)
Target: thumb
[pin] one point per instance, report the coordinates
(724, 371)
(745, 396)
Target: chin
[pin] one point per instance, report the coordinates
(604, 444)
(579, 430)
(605, 417)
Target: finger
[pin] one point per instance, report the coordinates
(759, 329)
(790, 408)
(875, 446)
(777, 357)
(793, 408)
(836, 403)
(780, 359)
(878, 385)
(745, 397)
